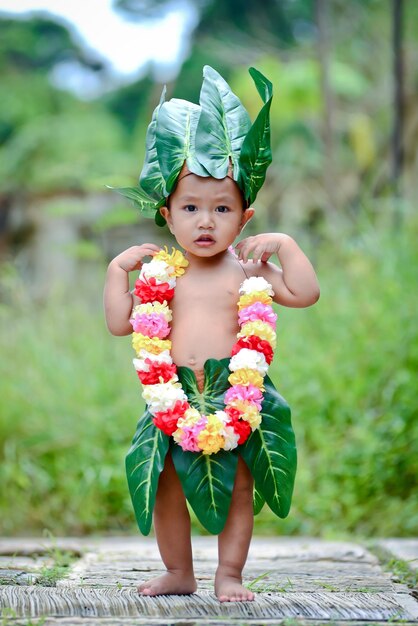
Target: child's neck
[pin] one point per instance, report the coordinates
(200, 262)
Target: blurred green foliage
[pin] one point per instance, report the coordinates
(347, 366)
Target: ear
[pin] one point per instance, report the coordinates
(246, 216)
(165, 212)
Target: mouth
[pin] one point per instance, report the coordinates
(205, 240)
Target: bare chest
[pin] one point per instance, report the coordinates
(205, 318)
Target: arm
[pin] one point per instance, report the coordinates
(296, 284)
(118, 300)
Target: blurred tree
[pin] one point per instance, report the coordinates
(322, 20)
(136, 10)
(49, 140)
(130, 102)
(36, 45)
(51, 144)
(398, 98)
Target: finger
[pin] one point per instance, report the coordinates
(265, 256)
(149, 250)
(257, 253)
(151, 246)
(241, 245)
(244, 253)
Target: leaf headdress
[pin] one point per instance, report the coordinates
(209, 137)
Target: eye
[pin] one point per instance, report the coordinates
(190, 208)
(222, 209)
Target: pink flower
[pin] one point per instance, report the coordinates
(239, 392)
(151, 325)
(257, 312)
(189, 435)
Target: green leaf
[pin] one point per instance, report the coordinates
(144, 464)
(216, 383)
(263, 85)
(176, 129)
(258, 500)
(147, 205)
(151, 178)
(207, 480)
(270, 452)
(256, 154)
(222, 127)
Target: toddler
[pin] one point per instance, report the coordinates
(200, 176)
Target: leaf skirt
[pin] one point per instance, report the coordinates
(208, 480)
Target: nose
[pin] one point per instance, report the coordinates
(205, 219)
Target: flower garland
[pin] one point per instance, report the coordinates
(250, 357)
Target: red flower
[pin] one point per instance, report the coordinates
(233, 413)
(157, 371)
(167, 420)
(254, 343)
(243, 429)
(149, 291)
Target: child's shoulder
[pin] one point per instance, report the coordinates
(266, 270)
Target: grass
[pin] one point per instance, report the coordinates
(347, 366)
(263, 587)
(402, 572)
(49, 575)
(8, 617)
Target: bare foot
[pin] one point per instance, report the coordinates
(230, 589)
(170, 583)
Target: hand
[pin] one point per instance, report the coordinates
(131, 259)
(260, 247)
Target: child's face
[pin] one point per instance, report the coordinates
(205, 214)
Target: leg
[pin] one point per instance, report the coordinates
(172, 531)
(234, 540)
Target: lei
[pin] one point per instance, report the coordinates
(250, 357)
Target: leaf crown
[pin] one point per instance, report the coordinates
(209, 137)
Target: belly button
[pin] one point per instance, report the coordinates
(192, 361)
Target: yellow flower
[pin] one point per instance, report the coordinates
(261, 329)
(255, 296)
(249, 412)
(177, 435)
(175, 259)
(214, 422)
(190, 418)
(209, 439)
(154, 307)
(245, 377)
(152, 344)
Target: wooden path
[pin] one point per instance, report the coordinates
(297, 581)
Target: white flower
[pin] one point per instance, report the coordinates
(250, 359)
(231, 438)
(162, 396)
(141, 366)
(256, 283)
(222, 416)
(160, 270)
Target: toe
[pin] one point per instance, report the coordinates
(148, 590)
